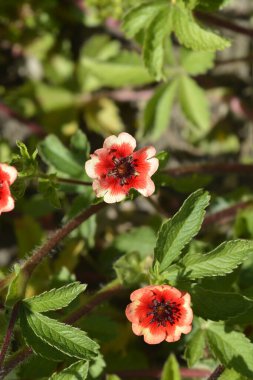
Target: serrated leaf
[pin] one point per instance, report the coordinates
(179, 230)
(154, 43)
(140, 16)
(194, 103)
(67, 339)
(77, 371)
(193, 36)
(195, 348)
(222, 260)
(38, 346)
(158, 109)
(209, 304)
(232, 348)
(197, 62)
(54, 153)
(171, 369)
(56, 298)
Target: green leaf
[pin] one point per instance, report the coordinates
(232, 348)
(112, 377)
(17, 286)
(38, 346)
(56, 298)
(140, 16)
(191, 35)
(222, 260)
(154, 43)
(158, 110)
(179, 230)
(214, 5)
(124, 70)
(171, 369)
(54, 153)
(132, 268)
(77, 371)
(197, 62)
(65, 338)
(195, 348)
(48, 187)
(194, 103)
(231, 374)
(209, 304)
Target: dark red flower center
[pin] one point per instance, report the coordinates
(163, 312)
(124, 169)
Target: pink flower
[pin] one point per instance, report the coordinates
(160, 312)
(8, 174)
(116, 168)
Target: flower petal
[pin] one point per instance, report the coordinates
(90, 166)
(8, 206)
(154, 336)
(113, 197)
(153, 165)
(123, 138)
(10, 171)
(149, 188)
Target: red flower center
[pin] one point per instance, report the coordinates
(124, 169)
(163, 312)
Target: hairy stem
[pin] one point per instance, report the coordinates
(57, 236)
(51, 242)
(8, 335)
(216, 373)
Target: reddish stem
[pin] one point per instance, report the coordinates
(224, 23)
(57, 236)
(217, 168)
(9, 331)
(156, 373)
(216, 373)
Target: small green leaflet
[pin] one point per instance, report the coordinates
(77, 371)
(65, 338)
(55, 298)
(157, 112)
(179, 230)
(194, 104)
(197, 62)
(171, 369)
(54, 153)
(192, 36)
(195, 348)
(17, 287)
(158, 20)
(222, 260)
(154, 44)
(140, 16)
(209, 304)
(112, 377)
(38, 346)
(232, 348)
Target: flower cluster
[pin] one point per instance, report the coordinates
(160, 313)
(116, 168)
(8, 174)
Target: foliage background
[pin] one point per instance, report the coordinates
(70, 69)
